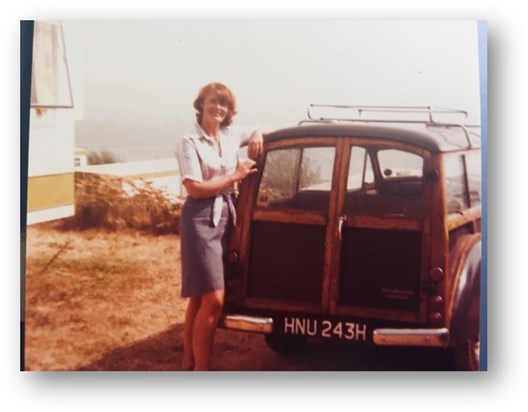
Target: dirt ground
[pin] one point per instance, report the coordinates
(110, 301)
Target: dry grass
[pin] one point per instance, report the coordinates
(88, 293)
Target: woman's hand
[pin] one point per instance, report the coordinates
(213, 187)
(244, 168)
(255, 145)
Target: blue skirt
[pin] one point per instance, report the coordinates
(203, 247)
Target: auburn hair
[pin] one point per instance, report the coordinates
(223, 93)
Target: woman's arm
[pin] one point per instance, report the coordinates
(211, 188)
(255, 144)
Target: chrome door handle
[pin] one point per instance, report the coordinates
(342, 220)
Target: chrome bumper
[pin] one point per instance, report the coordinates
(248, 323)
(411, 337)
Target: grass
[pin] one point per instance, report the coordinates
(87, 292)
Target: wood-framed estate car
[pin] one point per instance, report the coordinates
(364, 229)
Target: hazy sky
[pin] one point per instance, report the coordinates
(149, 72)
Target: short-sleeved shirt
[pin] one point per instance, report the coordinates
(199, 160)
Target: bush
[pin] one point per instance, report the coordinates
(102, 157)
(116, 203)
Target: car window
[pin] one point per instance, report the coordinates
(455, 185)
(297, 178)
(474, 172)
(397, 163)
(360, 171)
(396, 192)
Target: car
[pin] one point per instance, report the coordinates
(364, 229)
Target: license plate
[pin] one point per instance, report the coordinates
(324, 328)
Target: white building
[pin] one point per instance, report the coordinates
(56, 102)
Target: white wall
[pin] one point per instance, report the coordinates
(52, 140)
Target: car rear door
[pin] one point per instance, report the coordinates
(382, 225)
(290, 231)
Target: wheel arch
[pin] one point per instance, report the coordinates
(464, 319)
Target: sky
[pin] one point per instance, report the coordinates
(141, 77)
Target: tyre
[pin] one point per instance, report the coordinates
(465, 323)
(466, 354)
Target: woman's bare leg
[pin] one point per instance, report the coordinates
(190, 315)
(205, 323)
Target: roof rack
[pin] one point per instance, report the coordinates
(429, 111)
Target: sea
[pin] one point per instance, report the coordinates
(129, 142)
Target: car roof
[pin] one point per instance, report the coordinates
(434, 137)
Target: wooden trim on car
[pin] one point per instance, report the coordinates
(439, 245)
(241, 240)
(429, 180)
(290, 216)
(464, 217)
(385, 223)
(302, 142)
(374, 313)
(333, 243)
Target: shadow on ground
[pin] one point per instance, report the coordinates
(164, 352)
(161, 352)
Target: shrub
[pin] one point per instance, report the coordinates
(117, 203)
(102, 157)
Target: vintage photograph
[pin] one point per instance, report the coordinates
(254, 195)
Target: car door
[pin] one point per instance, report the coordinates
(289, 230)
(381, 215)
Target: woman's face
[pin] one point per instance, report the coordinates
(215, 108)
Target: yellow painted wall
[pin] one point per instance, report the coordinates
(45, 192)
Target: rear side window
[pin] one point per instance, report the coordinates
(463, 181)
(297, 178)
(474, 173)
(455, 184)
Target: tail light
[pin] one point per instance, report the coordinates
(436, 303)
(436, 318)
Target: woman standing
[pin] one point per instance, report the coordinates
(209, 169)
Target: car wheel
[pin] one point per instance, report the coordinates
(465, 322)
(284, 345)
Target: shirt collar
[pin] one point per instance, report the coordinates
(200, 133)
